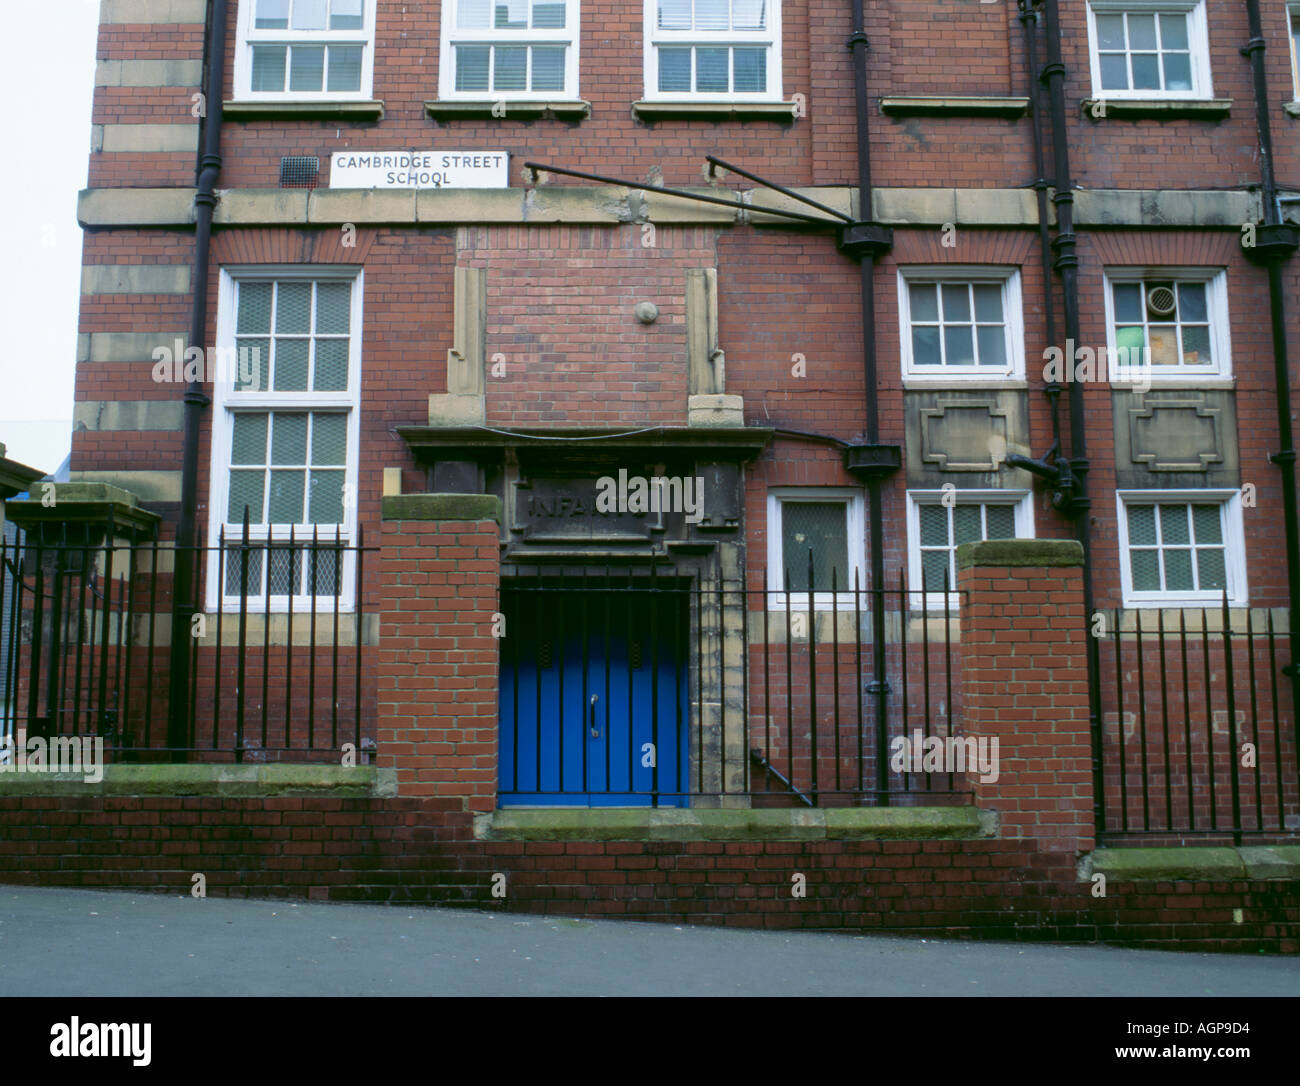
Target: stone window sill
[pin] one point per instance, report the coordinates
(953, 105)
(784, 112)
(507, 109)
(1292, 109)
(1159, 109)
(369, 110)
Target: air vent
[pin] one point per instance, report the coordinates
(299, 171)
(1160, 301)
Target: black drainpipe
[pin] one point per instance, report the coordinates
(1074, 502)
(1274, 242)
(184, 602)
(871, 462)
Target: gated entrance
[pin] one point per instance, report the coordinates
(594, 701)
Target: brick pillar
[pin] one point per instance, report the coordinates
(1025, 681)
(439, 579)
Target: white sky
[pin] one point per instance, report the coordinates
(44, 147)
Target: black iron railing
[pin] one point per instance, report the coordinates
(279, 639)
(1198, 732)
(626, 688)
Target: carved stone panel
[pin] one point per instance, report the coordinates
(964, 437)
(1178, 437)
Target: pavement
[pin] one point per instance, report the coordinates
(56, 942)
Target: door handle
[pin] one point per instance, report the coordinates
(595, 732)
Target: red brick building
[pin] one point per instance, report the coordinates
(478, 250)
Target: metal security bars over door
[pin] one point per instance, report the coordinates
(635, 688)
(275, 674)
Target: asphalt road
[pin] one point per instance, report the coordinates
(89, 943)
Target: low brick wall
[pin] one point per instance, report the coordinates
(385, 849)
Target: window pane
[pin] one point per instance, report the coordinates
(509, 68)
(321, 575)
(471, 14)
(935, 565)
(329, 439)
(1196, 346)
(966, 527)
(510, 14)
(289, 438)
(306, 67)
(1142, 525)
(1141, 31)
(956, 302)
(548, 16)
(293, 309)
(245, 490)
(345, 68)
(285, 506)
(993, 346)
(331, 365)
(326, 497)
(674, 14)
(711, 71)
(268, 67)
(286, 571)
(1114, 71)
(675, 70)
(1178, 71)
(291, 365)
(1178, 570)
(259, 356)
(1173, 524)
(1110, 31)
(923, 302)
(958, 345)
(254, 308)
(548, 67)
(1191, 302)
(1209, 567)
(1000, 522)
(934, 525)
(925, 346)
(272, 15)
(345, 14)
(1146, 571)
(819, 527)
(1173, 31)
(712, 14)
(988, 302)
(749, 14)
(1207, 521)
(309, 14)
(472, 67)
(750, 70)
(1146, 71)
(1128, 302)
(248, 442)
(333, 308)
(1131, 342)
(1164, 345)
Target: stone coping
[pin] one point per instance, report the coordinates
(732, 824)
(1179, 864)
(1020, 552)
(441, 507)
(166, 779)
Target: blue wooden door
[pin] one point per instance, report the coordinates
(593, 698)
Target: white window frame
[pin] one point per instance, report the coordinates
(1234, 559)
(452, 35)
(247, 36)
(225, 401)
(1012, 315)
(770, 38)
(1197, 40)
(855, 525)
(1216, 303)
(1293, 37)
(1022, 505)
